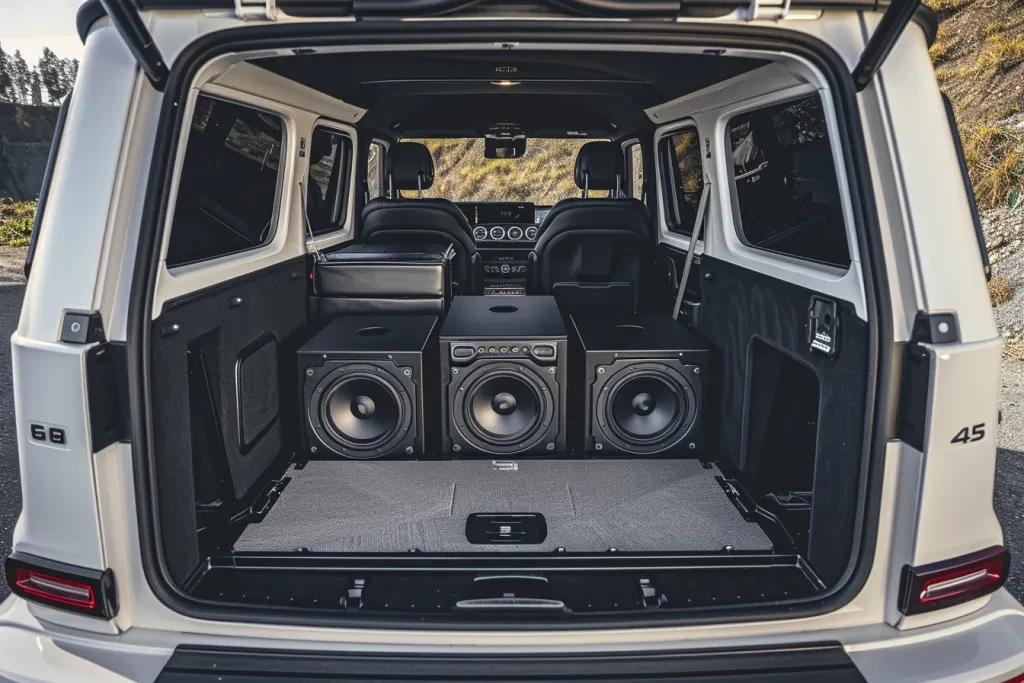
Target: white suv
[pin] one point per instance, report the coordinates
(566, 339)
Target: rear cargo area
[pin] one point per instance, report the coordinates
(589, 506)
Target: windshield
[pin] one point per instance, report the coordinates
(542, 176)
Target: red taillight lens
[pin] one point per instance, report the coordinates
(1016, 679)
(49, 588)
(76, 589)
(944, 584)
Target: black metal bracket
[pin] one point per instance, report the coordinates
(890, 27)
(106, 383)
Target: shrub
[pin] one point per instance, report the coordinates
(947, 6)
(994, 161)
(16, 222)
(999, 290)
(1001, 52)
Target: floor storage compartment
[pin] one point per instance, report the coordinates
(587, 505)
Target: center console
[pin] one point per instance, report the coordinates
(505, 233)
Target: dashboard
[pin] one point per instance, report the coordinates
(506, 224)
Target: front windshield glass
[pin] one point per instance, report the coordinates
(542, 176)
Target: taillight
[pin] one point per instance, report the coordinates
(63, 586)
(944, 584)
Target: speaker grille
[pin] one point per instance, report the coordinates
(646, 407)
(503, 408)
(360, 411)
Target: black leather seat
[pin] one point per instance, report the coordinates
(408, 166)
(590, 252)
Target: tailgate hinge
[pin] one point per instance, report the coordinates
(106, 384)
(256, 9)
(775, 10)
(915, 376)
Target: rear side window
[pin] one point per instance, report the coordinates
(786, 191)
(229, 182)
(374, 170)
(636, 167)
(330, 155)
(684, 179)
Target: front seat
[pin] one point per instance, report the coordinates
(589, 252)
(408, 166)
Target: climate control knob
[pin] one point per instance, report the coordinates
(479, 233)
(531, 233)
(515, 233)
(497, 233)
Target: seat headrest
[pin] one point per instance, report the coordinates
(409, 166)
(602, 161)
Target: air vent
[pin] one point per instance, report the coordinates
(497, 233)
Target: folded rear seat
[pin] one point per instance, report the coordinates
(384, 278)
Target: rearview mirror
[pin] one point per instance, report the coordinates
(504, 144)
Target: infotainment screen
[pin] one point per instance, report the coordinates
(504, 213)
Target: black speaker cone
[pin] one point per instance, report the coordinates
(503, 408)
(646, 408)
(361, 410)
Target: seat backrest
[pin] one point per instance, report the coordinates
(590, 251)
(409, 166)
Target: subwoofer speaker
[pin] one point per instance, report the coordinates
(503, 365)
(363, 382)
(641, 385)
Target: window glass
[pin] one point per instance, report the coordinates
(787, 192)
(685, 177)
(637, 162)
(327, 193)
(543, 175)
(373, 170)
(229, 182)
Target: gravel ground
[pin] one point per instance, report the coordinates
(12, 289)
(1009, 490)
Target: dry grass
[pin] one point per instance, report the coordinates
(1000, 52)
(1014, 348)
(947, 6)
(16, 222)
(999, 290)
(995, 161)
(943, 46)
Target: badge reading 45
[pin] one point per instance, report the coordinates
(970, 434)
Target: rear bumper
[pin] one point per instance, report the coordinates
(984, 647)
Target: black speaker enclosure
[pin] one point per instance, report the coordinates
(503, 376)
(363, 381)
(638, 386)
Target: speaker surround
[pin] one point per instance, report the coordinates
(503, 376)
(641, 382)
(363, 382)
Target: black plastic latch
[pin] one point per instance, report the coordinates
(935, 328)
(504, 527)
(82, 327)
(823, 326)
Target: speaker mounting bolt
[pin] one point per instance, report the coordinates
(551, 371)
(408, 372)
(600, 371)
(456, 448)
(696, 371)
(309, 372)
(551, 446)
(312, 449)
(408, 449)
(325, 356)
(455, 371)
(692, 446)
(598, 446)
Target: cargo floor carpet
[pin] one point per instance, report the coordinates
(589, 506)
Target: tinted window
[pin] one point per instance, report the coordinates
(684, 179)
(636, 156)
(374, 170)
(229, 182)
(786, 187)
(327, 193)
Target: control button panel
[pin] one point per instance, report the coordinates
(541, 351)
(504, 269)
(504, 290)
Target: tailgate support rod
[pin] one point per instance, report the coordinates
(890, 27)
(138, 39)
